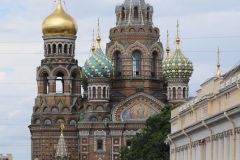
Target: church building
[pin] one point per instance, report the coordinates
(107, 101)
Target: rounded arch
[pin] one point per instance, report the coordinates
(141, 30)
(55, 110)
(115, 31)
(46, 110)
(132, 30)
(93, 119)
(156, 48)
(47, 122)
(60, 121)
(61, 70)
(65, 110)
(37, 121)
(72, 122)
(44, 72)
(114, 48)
(138, 46)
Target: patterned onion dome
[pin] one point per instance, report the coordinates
(98, 65)
(178, 66)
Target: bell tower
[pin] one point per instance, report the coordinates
(136, 52)
(59, 87)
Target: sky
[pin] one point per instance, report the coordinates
(205, 25)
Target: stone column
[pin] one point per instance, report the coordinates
(237, 146)
(220, 148)
(226, 147)
(231, 147)
(193, 153)
(52, 86)
(208, 150)
(215, 149)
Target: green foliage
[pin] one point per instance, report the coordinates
(149, 144)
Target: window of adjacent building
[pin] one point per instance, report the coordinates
(118, 63)
(59, 83)
(100, 145)
(104, 92)
(136, 63)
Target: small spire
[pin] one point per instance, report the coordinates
(61, 153)
(168, 48)
(178, 37)
(93, 44)
(218, 74)
(98, 43)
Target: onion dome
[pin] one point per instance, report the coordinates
(98, 65)
(178, 65)
(59, 23)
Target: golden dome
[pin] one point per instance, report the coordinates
(59, 23)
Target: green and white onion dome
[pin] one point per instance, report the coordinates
(178, 66)
(98, 65)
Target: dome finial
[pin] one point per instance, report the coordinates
(168, 48)
(98, 45)
(93, 44)
(178, 37)
(218, 74)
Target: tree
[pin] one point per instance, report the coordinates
(150, 143)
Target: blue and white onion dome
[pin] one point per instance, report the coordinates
(98, 65)
(178, 65)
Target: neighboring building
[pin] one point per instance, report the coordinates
(208, 126)
(7, 157)
(122, 88)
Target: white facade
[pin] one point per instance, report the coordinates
(208, 127)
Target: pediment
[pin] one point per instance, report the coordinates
(137, 107)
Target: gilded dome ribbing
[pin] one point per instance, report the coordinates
(59, 23)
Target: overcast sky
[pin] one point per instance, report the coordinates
(205, 25)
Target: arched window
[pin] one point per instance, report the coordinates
(49, 49)
(70, 49)
(59, 83)
(73, 122)
(118, 64)
(47, 122)
(54, 48)
(93, 119)
(136, 64)
(55, 110)
(179, 93)
(184, 93)
(135, 12)
(154, 64)
(59, 48)
(38, 121)
(123, 14)
(65, 48)
(45, 86)
(104, 92)
(60, 121)
(66, 110)
(174, 93)
(94, 93)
